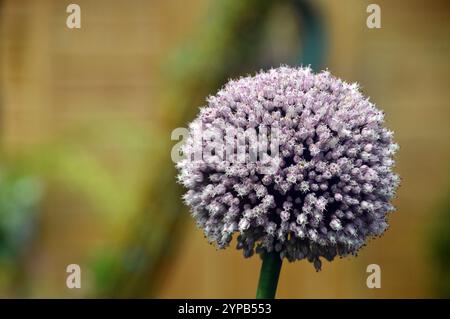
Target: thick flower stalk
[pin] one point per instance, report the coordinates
(331, 181)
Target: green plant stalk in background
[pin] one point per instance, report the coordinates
(268, 276)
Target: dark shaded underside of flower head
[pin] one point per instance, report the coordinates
(332, 182)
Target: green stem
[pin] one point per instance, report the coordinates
(268, 277)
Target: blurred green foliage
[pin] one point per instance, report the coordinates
(77, 161)
(19, 201)
(441, 249)
(20, 197)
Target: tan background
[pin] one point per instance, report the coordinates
(54, 79)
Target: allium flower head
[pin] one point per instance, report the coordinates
(331, 184)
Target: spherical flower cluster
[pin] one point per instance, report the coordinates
(332, 182)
